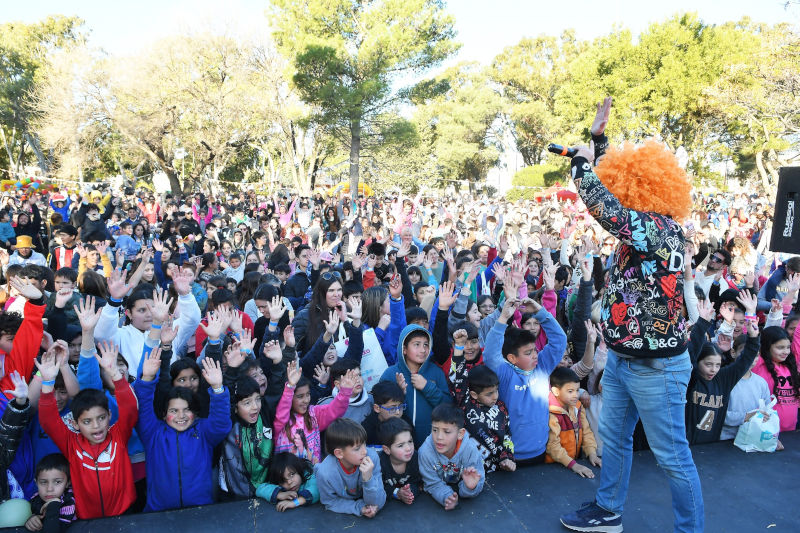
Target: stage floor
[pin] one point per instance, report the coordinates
(742, 492)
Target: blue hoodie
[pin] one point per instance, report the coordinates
(179, 464)
(420, 404)
(526, 394)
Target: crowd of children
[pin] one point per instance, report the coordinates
(163, 353)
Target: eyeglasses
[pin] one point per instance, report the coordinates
(327, 276)
(394, 409)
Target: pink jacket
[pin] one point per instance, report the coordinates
(788, 401)
(306, 443)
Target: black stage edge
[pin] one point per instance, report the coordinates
(743, 493)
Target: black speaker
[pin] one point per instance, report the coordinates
(786, 224)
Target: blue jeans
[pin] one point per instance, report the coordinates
(658, 395)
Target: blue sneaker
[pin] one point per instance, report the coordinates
(592, 517)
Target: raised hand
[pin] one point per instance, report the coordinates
(396, 287)
(447, 295)
(160, 306)
(288, 336)
(272, 351)
(706, 310)
(246, 341)
(509, 308)
(549, 275)
(20, 390)
(358, 261)
(276, 309)
(117, 287)
(108, 359)
(322, 374)
(234, 355)
(25, 288)
(601, 117)
(293, 373)
(63, 296)
(212, 373)
(793, 283)
(749, 301)
(169, 331)
(157, 245)
(217, 323)
(726, 311)
(355, 306)
(151, 365)
(332, 324)
(460, 338)
(349, 380)
(48, 366)
(182, 282)
(475, 269)
(235, 321)
(591, 331)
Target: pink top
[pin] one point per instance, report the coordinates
(788, 401)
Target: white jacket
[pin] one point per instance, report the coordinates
(130, 341)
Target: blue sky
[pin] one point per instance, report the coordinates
(485, 27)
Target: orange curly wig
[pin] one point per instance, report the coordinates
(647, 178)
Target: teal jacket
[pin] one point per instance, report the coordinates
(420, 403)
(308, 490)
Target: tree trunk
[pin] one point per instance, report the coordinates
(44, 164)
(174, 181)
(762, 171)
(355, 153)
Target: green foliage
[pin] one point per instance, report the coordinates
(530, 180)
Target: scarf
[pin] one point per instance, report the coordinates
(256, 451)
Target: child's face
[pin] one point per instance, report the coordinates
(62, 397)
(414, 277)
(232, 286)
(566, 361)
(351, 456)
(51, 484)
(6, 340)
(474, 315)
(472, 348)
(390, 409)
(330, 356)
(148, 272)
(709, 366)
(291, 480)
(423, 292)
(235, 262)
(416, 350)
(283, 276)
(445, 437)
(187, 378)
(533, 326)
(402, 449)
(249, 408)
(526, 358)
(780, 350)
(487, 397)
(257, 373)
(421, 322)
(63, 283)
(93, 424)
(301, 400)
(179, 417)
(567, 394)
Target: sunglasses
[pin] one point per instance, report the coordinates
(327, 276)
(716, 259)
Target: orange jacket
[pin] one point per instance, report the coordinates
(569, 434)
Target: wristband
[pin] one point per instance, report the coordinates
(271, 323)
(396, 299)
(296, 502)
(235, 335)
(248, 351)
(155, 326)
(114, 303)
(114, 300)
(369, 269)
(165, 347)
(395, 493)
(50, 383)
(458, 348)
(213, 342)
(219, 390)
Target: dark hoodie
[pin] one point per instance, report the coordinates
(420, 403)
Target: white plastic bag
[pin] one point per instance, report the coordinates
(757, 434)
(373, 362)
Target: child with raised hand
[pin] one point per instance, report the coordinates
(486, 417)
(53, 506)
(180, 446)
(291, 483)
(298, 424)
(349, 479)
(98, 454)
(20, 339)
(710, 386)
(15, 419)
(450, 464)
(569, 429)
(523, 372)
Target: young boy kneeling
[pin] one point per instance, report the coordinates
(569, 428)
(449, 462)
(349, 479)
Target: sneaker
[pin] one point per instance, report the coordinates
(592, 517)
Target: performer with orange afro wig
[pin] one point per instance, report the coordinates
(636, 194)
